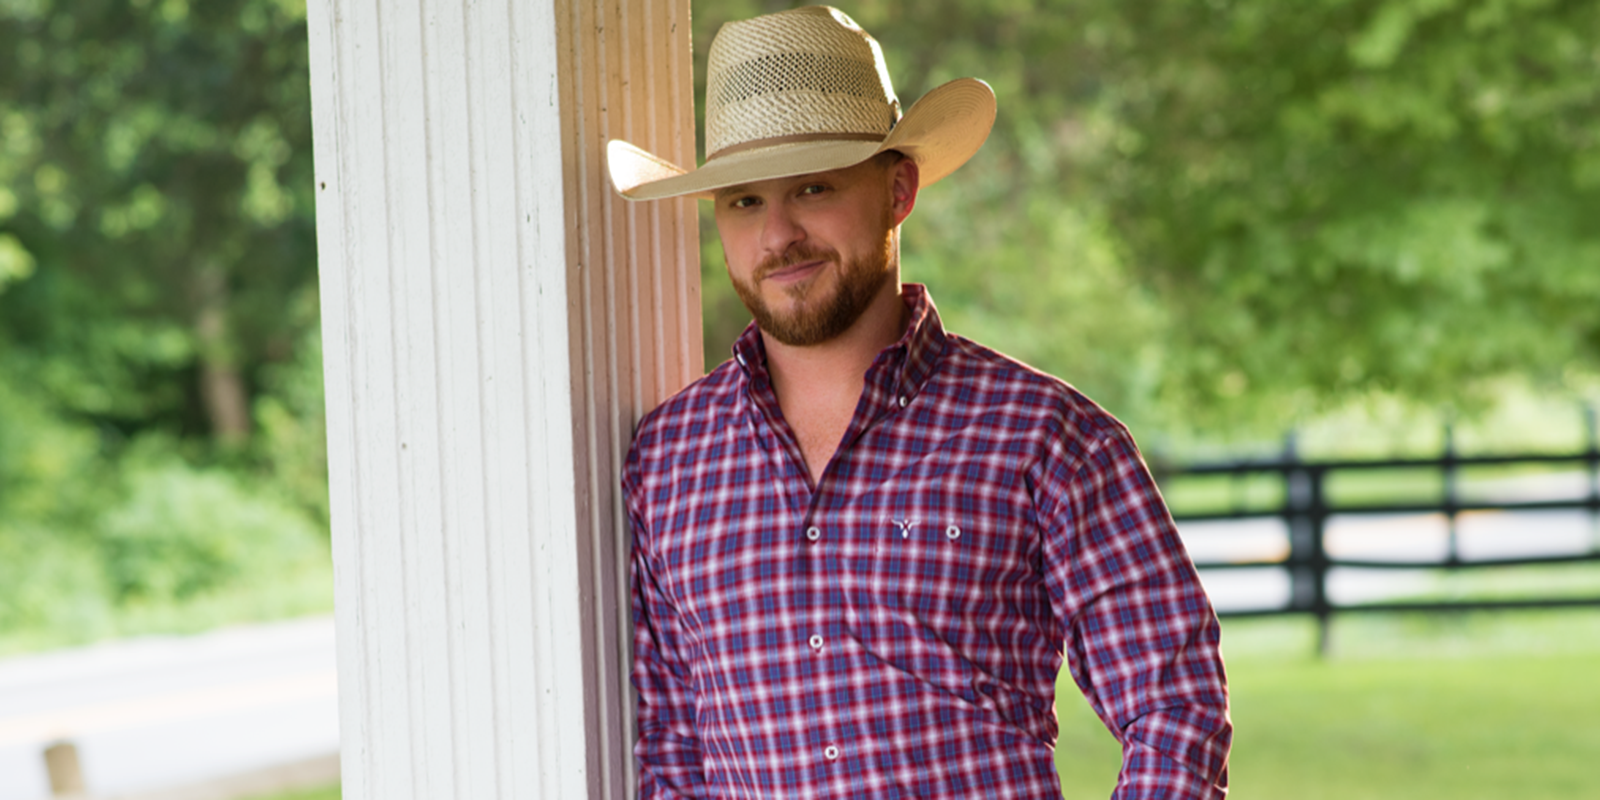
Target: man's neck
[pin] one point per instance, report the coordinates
(842, 362)
(819, 386)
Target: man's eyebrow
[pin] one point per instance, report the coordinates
(728, 190)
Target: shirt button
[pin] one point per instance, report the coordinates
(953, 533)
(903, 401)
(831, 753)
(813, 533)
(740, 358)
(816, 641)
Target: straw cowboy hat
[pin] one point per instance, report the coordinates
(807, 91)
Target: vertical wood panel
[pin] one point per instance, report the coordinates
(635, 272)
(495, 321)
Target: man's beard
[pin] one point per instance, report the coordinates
(817, 319)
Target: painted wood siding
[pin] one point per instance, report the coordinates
(495, 321)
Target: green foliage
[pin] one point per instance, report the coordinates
(16, 263)
(51, 477)
(98, 540)
(181, 532)
(171, 548)
(1046, 285)
(49, 582)
(1346, 196)
(156, 242)
(291, 421)
(51, 471)
(1212, 217)
(1235, 215)
(155, 201)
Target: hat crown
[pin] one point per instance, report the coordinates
(809, 72)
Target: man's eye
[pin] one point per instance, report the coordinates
(814, 188)
(743, 202)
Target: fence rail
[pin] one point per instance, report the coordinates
(1305, 508)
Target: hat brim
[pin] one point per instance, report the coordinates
(940, 132)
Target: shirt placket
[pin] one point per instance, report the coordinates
(816, 725)
(831, 639)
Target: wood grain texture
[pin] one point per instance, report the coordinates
(634, 289)
(495, 321)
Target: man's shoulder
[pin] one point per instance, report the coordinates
(1002, 384)
(1039, 413)
(702, 402)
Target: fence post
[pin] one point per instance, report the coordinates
(1305, 515)
(66, 773)
(1592, 426)
(1451, 496)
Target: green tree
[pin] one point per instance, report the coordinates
(1337, 197)
(155, 204)
(157, 296)
(1236, 213)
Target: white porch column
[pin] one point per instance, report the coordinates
(494, 322)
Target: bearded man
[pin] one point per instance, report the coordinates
(864, 546)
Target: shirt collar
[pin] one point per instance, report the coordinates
(921, 346)
(917, 351)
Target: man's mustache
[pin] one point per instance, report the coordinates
(798, 254)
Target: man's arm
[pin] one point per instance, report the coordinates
(668, 750)
(1142, 639)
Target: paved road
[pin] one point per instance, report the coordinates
(159, 712)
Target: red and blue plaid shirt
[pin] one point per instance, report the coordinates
(895, 631)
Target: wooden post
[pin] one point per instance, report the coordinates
(1591, 427)
(66, 774)
(495, 321)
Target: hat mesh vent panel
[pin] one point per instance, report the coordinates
(799, 72)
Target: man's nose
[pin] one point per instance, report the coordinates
(780, 230)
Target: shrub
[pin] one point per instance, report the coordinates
(183, 531)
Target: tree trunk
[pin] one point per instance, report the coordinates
(222, 392)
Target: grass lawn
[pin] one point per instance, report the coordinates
(1466, 706)
(325, 793)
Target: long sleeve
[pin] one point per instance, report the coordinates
(668, 750)
(1142, 640)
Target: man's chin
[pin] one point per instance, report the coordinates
(812, 310)
(787, 328)
(797, 299)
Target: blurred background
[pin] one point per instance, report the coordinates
(1260, 233)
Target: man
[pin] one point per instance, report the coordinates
(864, 546)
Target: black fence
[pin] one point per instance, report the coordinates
(1303, 503)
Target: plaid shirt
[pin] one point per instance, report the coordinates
(896, 630)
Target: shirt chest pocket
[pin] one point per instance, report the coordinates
(940, 549)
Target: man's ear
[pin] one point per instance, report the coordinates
(904, 177)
